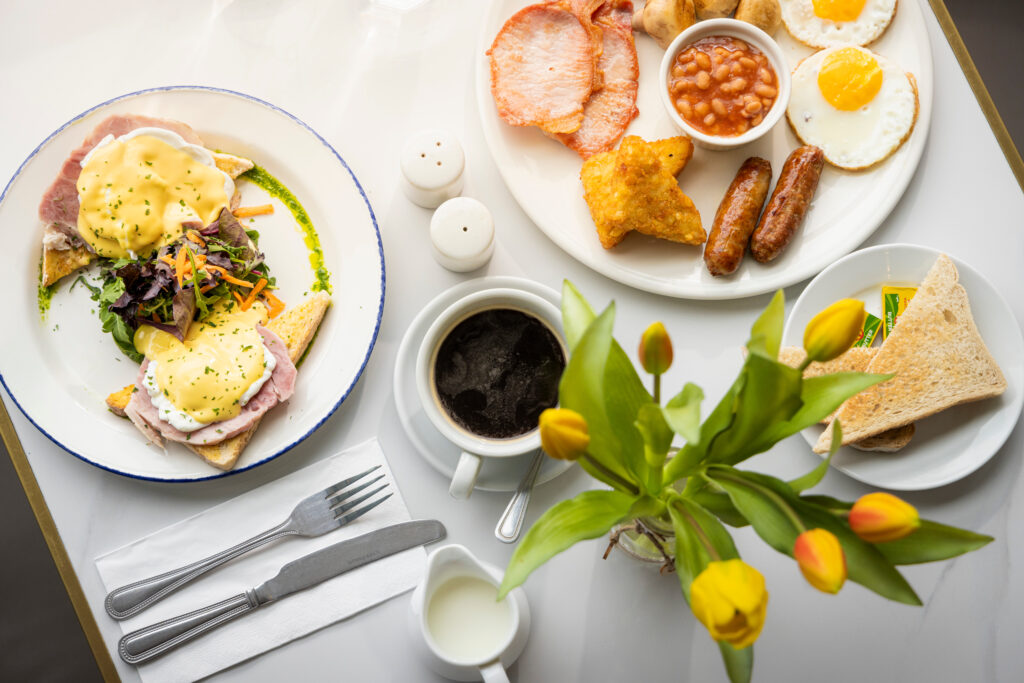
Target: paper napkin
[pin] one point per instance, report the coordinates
(279, 622)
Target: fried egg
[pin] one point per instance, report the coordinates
(825, 23)
(857, 106)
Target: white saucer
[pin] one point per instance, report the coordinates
(496, 474)
(948, 446)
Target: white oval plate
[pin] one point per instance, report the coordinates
(60, 369)
(496, 474)
(954, 443)
(543, 176)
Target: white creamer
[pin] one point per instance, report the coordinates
(466, 620)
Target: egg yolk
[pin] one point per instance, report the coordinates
(849, 78)
(838, 10)
(206, 375)
(134, 195)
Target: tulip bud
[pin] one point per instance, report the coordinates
(821, 559)
(730, 599)
(880, 517)
(563, 433)
(834, 330)
(655, 349)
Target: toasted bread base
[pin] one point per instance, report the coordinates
(58, 263)
(296, 327)
(854, 360)
(937, 356)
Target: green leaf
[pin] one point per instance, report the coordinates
(682, 412)
(720, 505)
(770, 394)
(576, 314)
(766, 333)
(691, 555)
(739, 664)
(588, 515)
(685, 462)
(932, 542)
(760, 499)
(582, 389)
(657, 440)
(820, 396)
(624, 396)
(814, 477)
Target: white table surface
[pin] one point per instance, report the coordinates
(366, 74)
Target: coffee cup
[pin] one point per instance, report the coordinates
(477, 440)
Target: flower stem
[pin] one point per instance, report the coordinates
(787, 510)
(628, 485)
(705, 541)
(803, 366)
(657, 389)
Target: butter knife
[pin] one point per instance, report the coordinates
(305, 572)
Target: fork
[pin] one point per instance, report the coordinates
(313, 516)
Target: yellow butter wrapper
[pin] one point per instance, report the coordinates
(868, 332)
(894, 302)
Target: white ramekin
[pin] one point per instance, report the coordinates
(754, 37)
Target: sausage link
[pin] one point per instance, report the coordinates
(737, 216)
(788, 205)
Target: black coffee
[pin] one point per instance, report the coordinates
(497, 371)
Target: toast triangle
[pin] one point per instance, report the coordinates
(937, 355)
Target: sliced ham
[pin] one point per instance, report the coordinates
(609, 111)
(59, 206)
(543, 68)
(279, 387)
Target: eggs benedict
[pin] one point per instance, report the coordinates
(135, 191)
(213, 384)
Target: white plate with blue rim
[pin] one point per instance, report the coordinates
(952, 444)
(58, 367)
(496, 474)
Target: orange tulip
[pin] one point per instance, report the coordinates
(821, 559)
(880, 517)
(655, 349)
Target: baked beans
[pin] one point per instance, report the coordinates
(722, 85)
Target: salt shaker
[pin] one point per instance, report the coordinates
(432, 166)
(462, 234)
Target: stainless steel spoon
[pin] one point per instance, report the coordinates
(511, 522)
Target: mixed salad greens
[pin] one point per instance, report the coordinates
(183, 281)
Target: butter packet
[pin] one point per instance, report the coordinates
(894, 302)
(869, 331)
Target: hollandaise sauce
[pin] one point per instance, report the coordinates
(221, 364)
(134, 193)
(272, 186)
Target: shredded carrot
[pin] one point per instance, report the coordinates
(252, 295)
(227, 277)
(276, 305)
(155, 317)
(238, 298)
(247, 211)
(168, 260)
(179, 264)
(196, 237)
(206, 288)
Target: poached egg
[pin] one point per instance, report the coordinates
(135, 191)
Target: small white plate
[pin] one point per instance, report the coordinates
(496, 474)
(543, 176)
(60, 369)
(948, 446)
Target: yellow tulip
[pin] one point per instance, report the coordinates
(563, 433)
(879, 517)
(655, 349)
(821, 559)
(833, 330)
(730, 599)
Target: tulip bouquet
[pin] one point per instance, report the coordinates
(622, 435)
